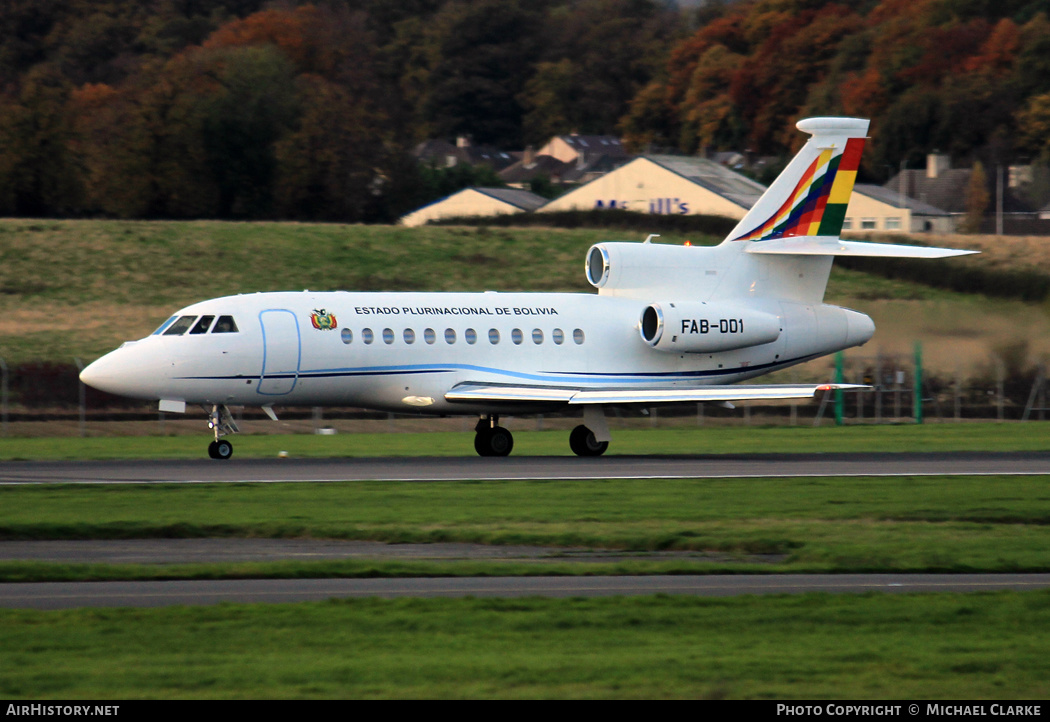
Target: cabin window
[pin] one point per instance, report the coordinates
(471, 336)
(577, 336)
(410, 336)
(493, 336)
(181, 326)
(164, 326)
(558, 336)
(202, 325)
(537, 336)
(388, 336)
(516, 336)
(367, 336)
(450, 336)
(225, 324)
(428, 335)
(347, 335)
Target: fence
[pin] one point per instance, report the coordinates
(45, 399)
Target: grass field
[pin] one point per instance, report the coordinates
(815, 646)
(894, 647)
(688, 438)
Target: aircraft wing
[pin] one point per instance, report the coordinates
(483, 392)
(830, 246)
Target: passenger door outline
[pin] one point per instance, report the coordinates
(282, 352)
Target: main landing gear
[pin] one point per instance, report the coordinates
(491, 439)
(221, 421)
(583, 443)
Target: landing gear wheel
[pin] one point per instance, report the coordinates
(583, 443)
(220, 450)
(495, 441)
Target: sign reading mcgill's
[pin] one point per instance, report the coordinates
(662, 206)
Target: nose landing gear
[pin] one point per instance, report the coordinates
(220, 420)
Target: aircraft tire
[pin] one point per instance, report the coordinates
(220, 450)
(583, 443)
(481, 442)
(493, 442)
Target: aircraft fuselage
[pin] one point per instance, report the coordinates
(403, 351)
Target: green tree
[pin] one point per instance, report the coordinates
(38, 174)
(330, 167)
(480, 55)
(242, 123)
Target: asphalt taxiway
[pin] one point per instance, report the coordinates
(526, 467)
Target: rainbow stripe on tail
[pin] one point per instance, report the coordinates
(810, 196)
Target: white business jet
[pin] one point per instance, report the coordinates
(669, 324)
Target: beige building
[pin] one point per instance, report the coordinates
(471, 202)
(665, 184)
(577, 148)
(874, 208)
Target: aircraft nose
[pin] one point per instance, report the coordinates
(100, 374)
(111, 374)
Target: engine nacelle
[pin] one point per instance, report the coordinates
(696, 327)
(634, 269)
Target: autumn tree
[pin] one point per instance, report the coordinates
(977, 200)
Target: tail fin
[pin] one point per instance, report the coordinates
(809, 198)
(801, 214)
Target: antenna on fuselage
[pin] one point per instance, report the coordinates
(651, 237)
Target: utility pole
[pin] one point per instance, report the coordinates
(999, 201)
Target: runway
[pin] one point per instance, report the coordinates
(525, 467)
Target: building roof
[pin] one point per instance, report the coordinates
(588, 144)
(946, 191)
(540, 166)
(438, 151)
(714, 177)
(893, 198)
(525, 200)
(592, 166)
(464, 203)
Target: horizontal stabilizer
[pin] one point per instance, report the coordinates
(479, 392)
(831, 246)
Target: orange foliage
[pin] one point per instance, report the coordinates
(999, 50)
(863, 96)
(726, 32)
(93, 96)
(288, 30)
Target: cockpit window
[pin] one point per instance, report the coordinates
(181, 326)
(225, 324)
(202, 325)
(164, 326)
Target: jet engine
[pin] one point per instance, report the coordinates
(697, 327)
